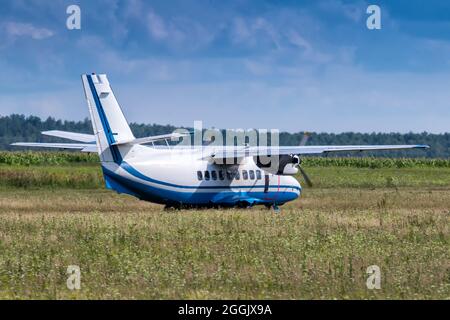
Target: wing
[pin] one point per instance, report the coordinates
(83, 137)
(241, 152)
(170, 136)
(83, 147)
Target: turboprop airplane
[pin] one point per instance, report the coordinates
(194, 176)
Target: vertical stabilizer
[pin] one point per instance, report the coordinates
(109, 123)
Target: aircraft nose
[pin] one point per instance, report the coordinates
(295, 185)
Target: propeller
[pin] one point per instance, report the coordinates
(297, 161)
(305, 176)
(303, 142)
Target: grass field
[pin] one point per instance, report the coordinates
(319, 247)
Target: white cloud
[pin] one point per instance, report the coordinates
(352, 11)
(179, 33)
(299, 41)
(251, 31)
(17, 29)
(156, 26)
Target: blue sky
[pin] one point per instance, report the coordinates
(290, 65)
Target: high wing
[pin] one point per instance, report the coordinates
(83, 147)
(154, 138)
(241, 152)
(209, 152)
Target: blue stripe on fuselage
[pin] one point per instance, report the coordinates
(161, 195)
(128, 168)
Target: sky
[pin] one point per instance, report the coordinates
(288, 65)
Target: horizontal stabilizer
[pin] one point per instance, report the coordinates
(83, 147)
(83, 137)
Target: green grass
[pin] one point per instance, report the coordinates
(371, 162)
(89, 176)
(30, 158)
(75, 176)
(319, 247)
(420, 177)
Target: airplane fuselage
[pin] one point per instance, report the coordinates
(180, 178)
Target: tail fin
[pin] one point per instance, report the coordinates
(109, 123)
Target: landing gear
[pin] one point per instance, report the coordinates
(244, 205)
(274, 207)
(173, 206)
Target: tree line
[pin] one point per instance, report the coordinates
(14, 128)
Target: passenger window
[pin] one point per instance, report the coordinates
(199, 175)
(214, 175)
(252, 174)
(229, 175)
(244, 174)
(221, 177)
(237, 176)
(258, 175)
(206, 175)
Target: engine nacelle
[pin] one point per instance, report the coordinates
(283, 165)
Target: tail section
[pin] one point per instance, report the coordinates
(109, 123)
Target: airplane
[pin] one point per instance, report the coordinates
(188, 177)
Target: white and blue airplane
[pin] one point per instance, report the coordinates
(197, 176)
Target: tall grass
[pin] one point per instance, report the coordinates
(28, 158)
(74, 177)
(89, 176)
(375, 163)
(317, 248)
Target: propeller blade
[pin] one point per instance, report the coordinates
(305, 176)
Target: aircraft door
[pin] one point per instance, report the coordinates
(266, 183)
